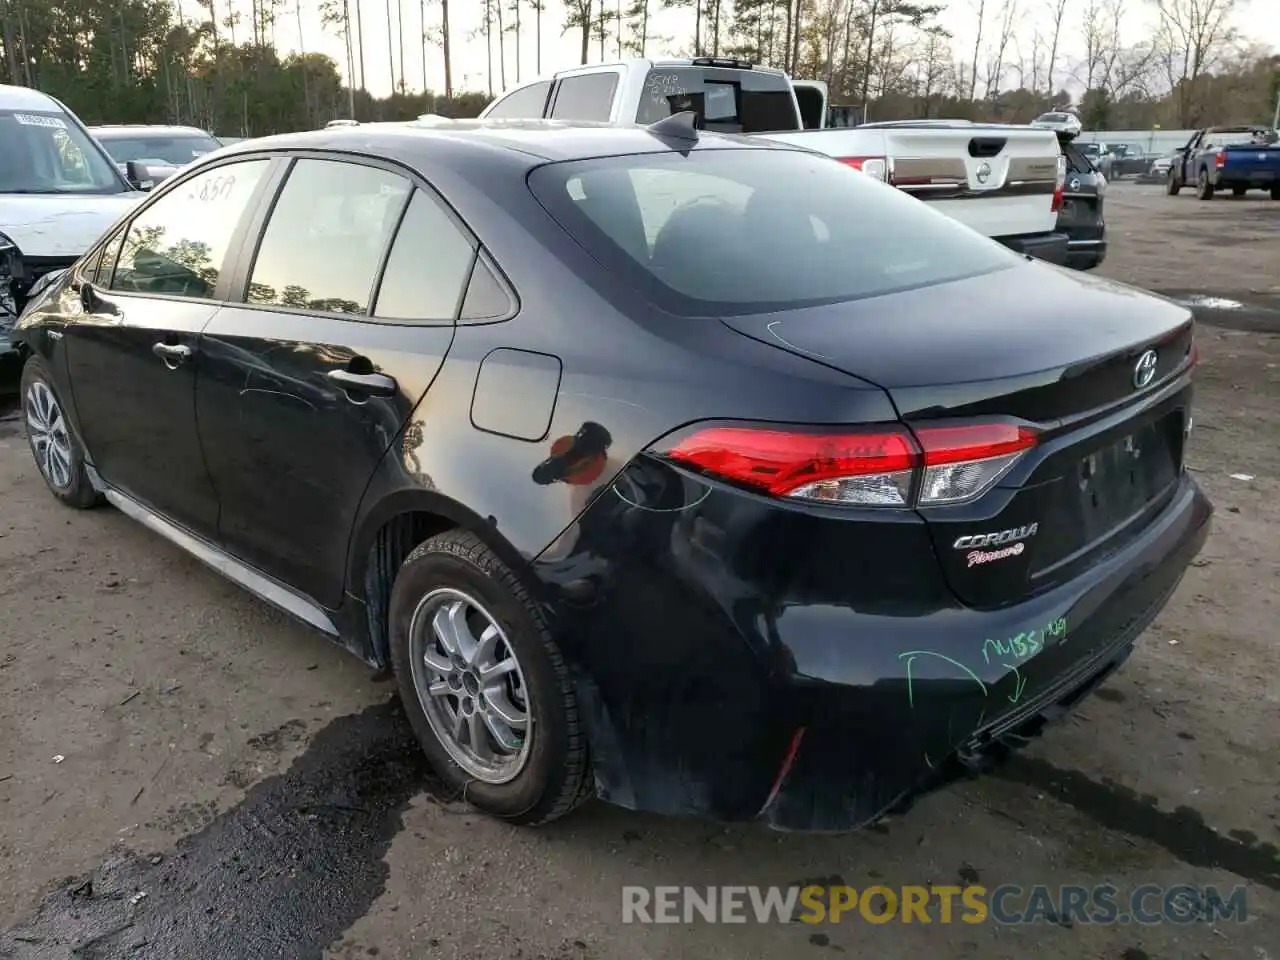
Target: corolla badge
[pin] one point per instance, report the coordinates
(984, 172)
(1144, 371)
(997, 539)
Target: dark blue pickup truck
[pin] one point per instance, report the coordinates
(1238, 159)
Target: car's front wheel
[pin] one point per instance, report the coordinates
(53, 444)
(484, 684)
(1173, 184)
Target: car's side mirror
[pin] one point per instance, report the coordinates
(138, 175)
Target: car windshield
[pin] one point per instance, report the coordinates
(734, 231)
(173, 150)
(45, 152)
(725, 100)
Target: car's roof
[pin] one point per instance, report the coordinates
(530, 141)
(24, 98)
(123, 130)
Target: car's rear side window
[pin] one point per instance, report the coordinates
(429, 264)
(525, 103)
(732, 231)
(587, 96)
(726, 100)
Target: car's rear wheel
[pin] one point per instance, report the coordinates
(1172, 184)
(1204, 189)
(53, 444)
(484, 685)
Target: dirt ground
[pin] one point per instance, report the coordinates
(164, 734)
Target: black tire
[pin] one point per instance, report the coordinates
(556, 777)
(78, 492)
(1173, 184)
(1275, 193)
(1204, 189)
(1239, 191)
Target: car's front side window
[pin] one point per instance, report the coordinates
(326, 237)
(178, 244)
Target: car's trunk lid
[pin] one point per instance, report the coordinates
(1033, 343)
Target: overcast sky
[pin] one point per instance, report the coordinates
(559, 50)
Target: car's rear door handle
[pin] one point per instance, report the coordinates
(369, 384)
(172, 354)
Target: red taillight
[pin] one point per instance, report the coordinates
(1060, 185)
(877, 167)
(877, 466)
(1221, 159)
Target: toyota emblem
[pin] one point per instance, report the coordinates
(1144, 371)
(984, 172)
(1074, 185)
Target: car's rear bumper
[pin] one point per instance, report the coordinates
(1086, 254)
(1051, 247)
(722, 674)
(1227, 178)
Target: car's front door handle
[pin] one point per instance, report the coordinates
(369, 384)
(172, 354)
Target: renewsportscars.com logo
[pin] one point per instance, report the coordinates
(1008, 904)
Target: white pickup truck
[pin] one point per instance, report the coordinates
(1004, 181)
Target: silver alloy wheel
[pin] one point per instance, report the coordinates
(47, 431)
(470, 685)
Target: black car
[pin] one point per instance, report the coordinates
(701, 474)
(1080, 217)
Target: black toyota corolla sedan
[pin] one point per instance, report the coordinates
(697, 473)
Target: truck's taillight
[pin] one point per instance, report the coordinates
(1220, 159)
(876, 466)
(1060, 184)
(878, 167)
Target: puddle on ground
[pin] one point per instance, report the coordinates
(282, 874)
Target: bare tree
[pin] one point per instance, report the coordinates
(1057, 12)
(537, 35)
(400, 35)
(637, 16)
(391, 55)
(502, 48)
(996, 61)
(980, 9)
(486, 26)
(1192, 37)
(515, 9)
(444, 45)
(932, 67)
(579, 16)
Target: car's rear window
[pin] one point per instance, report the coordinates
(734, 231)
(726, 100)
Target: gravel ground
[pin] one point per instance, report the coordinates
(164, 734)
